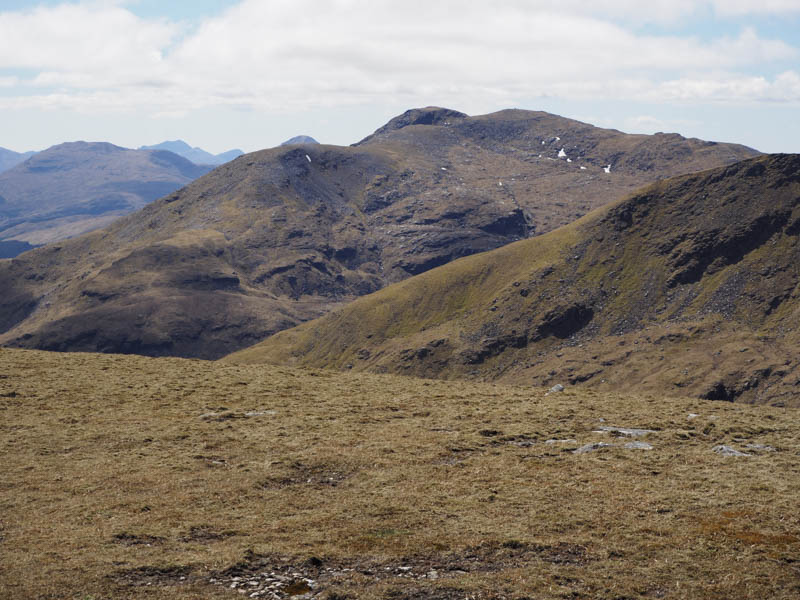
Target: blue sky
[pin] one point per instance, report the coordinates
(252, 73)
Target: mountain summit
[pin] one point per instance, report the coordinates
(286, 234)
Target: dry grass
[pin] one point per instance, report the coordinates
(123, 475)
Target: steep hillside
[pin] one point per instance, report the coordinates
(75, 187)
(283, 235)
(9, 158)
(197, 155)
(689, 286)
(165, 478)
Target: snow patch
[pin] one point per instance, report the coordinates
(308, 158)
(583, 168)
(562, 154)
(569, 160)
(607, 169)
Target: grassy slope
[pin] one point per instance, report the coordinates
(122, 475)
(701, 269)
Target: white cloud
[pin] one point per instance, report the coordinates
(287, 55)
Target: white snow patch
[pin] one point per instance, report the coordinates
(444, 168)
(562, 154)
(583, 168)
(558, 139)
(607, 169)
(500, 183)
(308, 158)
(542, 142)
(569, 160)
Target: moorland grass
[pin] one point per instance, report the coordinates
(129, 477)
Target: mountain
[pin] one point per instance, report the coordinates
(197, 155)
(689, 286)
(300, 139)
(75, 187)
(9, 158)
(284, 235)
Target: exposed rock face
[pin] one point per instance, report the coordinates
(283, 235)
(689, 286)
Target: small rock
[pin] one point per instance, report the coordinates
(761, 448)
(433, 575)
(555, 389)
(691, 416)
(638, 446)
(728, 451)
(567, 441)
(625, 431)
(591, 447)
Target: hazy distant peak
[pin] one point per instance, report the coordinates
(196, 155)
(173, 146)
(300, 139)
(9, 158)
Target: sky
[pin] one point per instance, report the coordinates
(249, 74)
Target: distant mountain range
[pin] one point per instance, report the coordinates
(9, 158)
(75, 187)
(197, 155)
(283, 235)
(300, 139)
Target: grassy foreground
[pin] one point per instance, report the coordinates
(129, 477)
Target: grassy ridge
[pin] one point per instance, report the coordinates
(130, 477)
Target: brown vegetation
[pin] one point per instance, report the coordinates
(129, 477)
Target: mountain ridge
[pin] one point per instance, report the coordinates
(282, 235)
(701, 268)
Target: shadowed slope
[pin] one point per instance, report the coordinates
(280, 236)
(688, 286)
